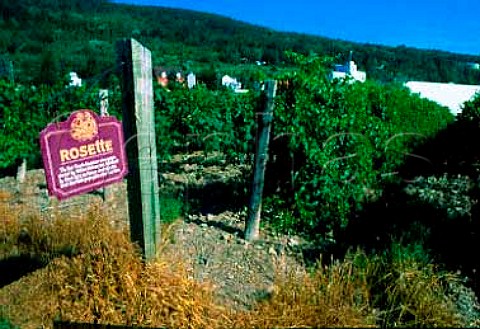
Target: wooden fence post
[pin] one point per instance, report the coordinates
(252, 225)
(139, 130)
(103, 102)
(11, 72)
(22, 171)
(103, 99)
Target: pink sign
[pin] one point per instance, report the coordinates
(83, 154)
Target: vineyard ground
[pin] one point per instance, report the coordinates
(209, 239)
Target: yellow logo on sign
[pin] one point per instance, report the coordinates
(83, 127)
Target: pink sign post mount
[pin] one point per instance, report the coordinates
(83, 154)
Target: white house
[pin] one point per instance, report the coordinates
(473, 66)
(75, 81)
(191, 80)
(447, 94)
(349, 69)
(231, 82)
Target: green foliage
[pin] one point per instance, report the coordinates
(81, 36)
(347, 138)
(471, 110)
(465, 301)
(171, 208)
(6, 324)
(18, 122)
(200, 119)
(279, 215)
(408, 291)
(4, 318)
(25, 111)
(451, 194)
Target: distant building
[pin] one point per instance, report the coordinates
(349, 69)
(162, 75)
(179, 77)
(446, 94)
(75, 81)
(473, 66)
(162, 79)
(191, 80)
(230, 82)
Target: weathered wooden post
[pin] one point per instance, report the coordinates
(11, 72)
(252, 225)
(103, 102)
(22, 171)
(103, 99)
(139, 130)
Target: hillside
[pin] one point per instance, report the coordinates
(46, 39)
(371, 193)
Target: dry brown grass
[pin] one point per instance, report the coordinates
(103, 280)
(107, 283)
(332, 296)
(9, 227)
(415, 294)
(346, 294)
(42, 236)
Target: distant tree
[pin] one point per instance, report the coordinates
(209, 77)
(67, 27)
(48, 69)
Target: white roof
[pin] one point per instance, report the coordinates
(447, 94)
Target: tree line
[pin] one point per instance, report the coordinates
(46, 39)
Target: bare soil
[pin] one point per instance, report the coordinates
(211, 244)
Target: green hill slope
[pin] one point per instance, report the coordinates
(47, 38)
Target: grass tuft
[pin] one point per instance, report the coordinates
(95, 274)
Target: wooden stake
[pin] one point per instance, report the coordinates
(103, 100)
(139, 130)
(252, 225)
(22, 171)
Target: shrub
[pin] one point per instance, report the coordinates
(347, 141)
(450, 194)
(171, 208)
(26, 110)
(201, 119)
(408, 291)
(471, 110)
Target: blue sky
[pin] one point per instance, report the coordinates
(452, 25)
